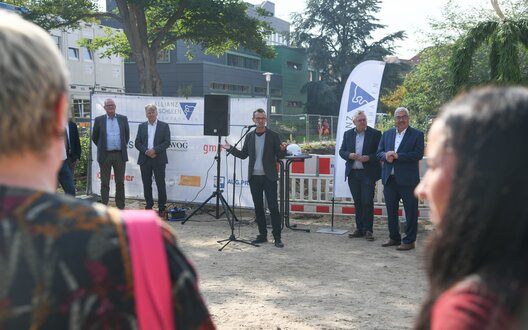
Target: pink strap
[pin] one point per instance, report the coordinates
(152, 287)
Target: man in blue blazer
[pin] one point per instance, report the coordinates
(152, 140)
(111, 134)
(400, 150)
(362, 170)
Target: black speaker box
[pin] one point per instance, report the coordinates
(216, 115)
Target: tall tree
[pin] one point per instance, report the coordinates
(150, 26)
(338, 36)
(507, 40)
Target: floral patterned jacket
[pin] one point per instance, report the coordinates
(65, 264)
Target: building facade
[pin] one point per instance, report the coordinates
(238, 73)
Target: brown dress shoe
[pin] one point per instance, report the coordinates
(391, 242)
(405, 247)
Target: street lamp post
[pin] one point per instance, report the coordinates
(268, 94)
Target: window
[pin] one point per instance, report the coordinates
(311, 75)
(231, 88)
(81, 108)
(87, 54)
(243, 61)
(294, 104)
(260, 90)
(57, 41)
(294, 66)
(163, 56)
(73, 53)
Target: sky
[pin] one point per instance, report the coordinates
(410, 16)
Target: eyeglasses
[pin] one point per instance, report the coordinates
(109, 106)
(401, 117)
(260, 118)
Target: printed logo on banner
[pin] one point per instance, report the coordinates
(357, 97)
(222, 182)
(190, 181)
(239, 183)
(188, 109)
(179, 145)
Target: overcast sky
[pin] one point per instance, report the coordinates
(408, 15)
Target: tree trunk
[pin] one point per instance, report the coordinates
(135, 29)
(495, 5)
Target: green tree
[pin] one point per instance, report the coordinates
(507, 39)
(152, 26)
(338, 36)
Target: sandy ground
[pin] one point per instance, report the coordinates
(317, 281)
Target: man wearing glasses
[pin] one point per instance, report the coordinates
(400, 150)
(111, 134)
(264, 148)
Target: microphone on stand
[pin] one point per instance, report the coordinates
(250, 126)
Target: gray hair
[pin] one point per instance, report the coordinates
(151, 107)
(357, 114)
(401, 109)
(34, 78)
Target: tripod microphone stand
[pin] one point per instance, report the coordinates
(231, 221)
(217, 193)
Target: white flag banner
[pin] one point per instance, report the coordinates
(361, 92)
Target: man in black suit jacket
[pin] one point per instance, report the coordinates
(401, 149)
(72, 154)
(74, 145)
(263, 146)
(362, 171)
(111, 134)
(152, 140)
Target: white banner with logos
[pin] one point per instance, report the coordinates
(361, 92)
(191, 171)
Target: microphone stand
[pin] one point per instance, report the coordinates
(234, 166)
(231, 220)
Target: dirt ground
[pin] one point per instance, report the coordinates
(317, 281)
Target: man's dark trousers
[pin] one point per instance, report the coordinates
(66, 179)
(362, 189)
(259, 184)
(148, 168)
(393, 193)
(113, 160)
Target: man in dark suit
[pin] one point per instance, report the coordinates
(362, 170)
(74, 145)
(111, 134)
(152, 140)
(263, 146)
(72, 154)
(401, 149)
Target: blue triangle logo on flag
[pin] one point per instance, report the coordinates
(357, 97)
(188, 109)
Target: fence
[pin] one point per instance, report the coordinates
(304, 128)
(311, 190)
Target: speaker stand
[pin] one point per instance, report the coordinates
(217, 193)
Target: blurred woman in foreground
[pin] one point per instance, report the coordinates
(476, 184)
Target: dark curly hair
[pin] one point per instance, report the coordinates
(485, 228)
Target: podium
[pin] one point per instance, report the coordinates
(284, 189)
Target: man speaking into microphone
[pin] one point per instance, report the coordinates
(264, 148)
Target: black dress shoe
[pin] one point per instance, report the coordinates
(356, 234)
(391, 242)
(369, 236)
(259, 239)
(278, 243)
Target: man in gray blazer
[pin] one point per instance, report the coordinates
(152, 140)
(111, 134)
(263, 147)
